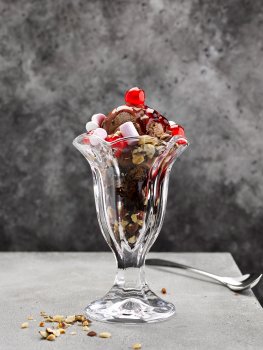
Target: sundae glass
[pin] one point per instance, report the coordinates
(131, 152)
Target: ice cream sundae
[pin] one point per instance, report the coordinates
(137, 135)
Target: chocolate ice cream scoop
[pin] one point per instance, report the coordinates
(146, 120)
(120, 116)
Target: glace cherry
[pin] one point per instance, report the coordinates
(178, 130)
(135, 97)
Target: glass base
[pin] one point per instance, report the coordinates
(130, 306)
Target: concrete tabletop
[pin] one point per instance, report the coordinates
(208, 316)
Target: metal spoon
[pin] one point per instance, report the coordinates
(236, 284)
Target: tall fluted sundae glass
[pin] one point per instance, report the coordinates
(130, 180)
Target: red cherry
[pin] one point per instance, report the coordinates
(178, 130)
(135, 97)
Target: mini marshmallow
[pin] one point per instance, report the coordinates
(128, 130)
(172, 123)
(98, 118)
(99, 133)
(91, 126)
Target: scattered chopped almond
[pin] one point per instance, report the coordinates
(43, 334)
(137, 346)
(24, 325)
(70, 319)
(51, 337)
(164, 290)
(85, 323)
(30, 318)
(49, 330)
(56, 332)
(85, 328)
(67, 325)
(80, 318)
(62, 331)
(62, 325)
(42, 324)
(105, 335)
(58, 318)
(73, 333)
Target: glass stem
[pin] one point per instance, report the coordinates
(130, 270)
(130, 278)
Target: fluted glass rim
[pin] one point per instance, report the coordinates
(76, 142)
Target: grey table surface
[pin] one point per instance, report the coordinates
(208, 315)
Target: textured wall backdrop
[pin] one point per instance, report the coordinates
(200, 63)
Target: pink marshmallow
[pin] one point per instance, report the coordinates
(99, 133)
(98, 118)
(128, 130)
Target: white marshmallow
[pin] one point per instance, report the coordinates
(171, 122)
(91, 126)
(98, 133)
(149, 110)
(98, 118)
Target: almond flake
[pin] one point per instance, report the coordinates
(30, 318)
(56, 332)
(58, 318)
(137, 159)
(70, 319)
(24, 325)
(85, 328)
(43, 334)
(132, 239)
(124, 223)
(134, 217)
(85, 323)
(80, 318)
(148, 139)
(105, 335)
(51, 337)
(140, 222)
(49, 330)
(137, 346)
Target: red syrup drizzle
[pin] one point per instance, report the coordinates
(118, 146)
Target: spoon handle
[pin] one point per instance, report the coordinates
(167, 263)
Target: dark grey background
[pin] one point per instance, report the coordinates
(200, 63)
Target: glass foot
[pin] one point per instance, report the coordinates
(130, 306)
